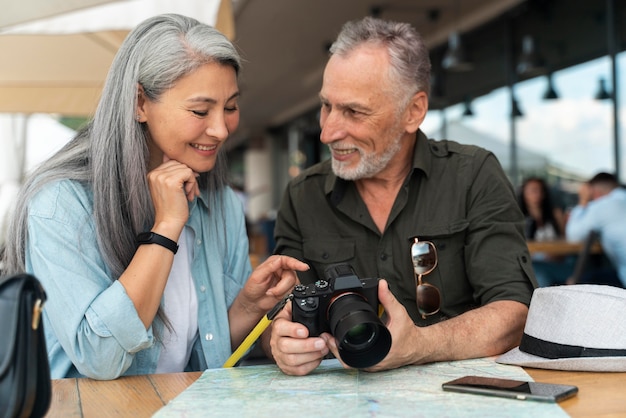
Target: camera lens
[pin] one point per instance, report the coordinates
(362, 338)
(359, 334)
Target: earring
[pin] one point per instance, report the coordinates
(138, 117)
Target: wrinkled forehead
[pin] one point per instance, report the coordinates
(362, 72)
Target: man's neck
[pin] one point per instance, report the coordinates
(380, 192)
(391, 177)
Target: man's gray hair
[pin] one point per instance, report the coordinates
(409, 57)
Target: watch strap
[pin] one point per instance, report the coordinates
(154, 238)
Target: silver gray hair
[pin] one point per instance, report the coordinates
(409, 57)
(111, 154)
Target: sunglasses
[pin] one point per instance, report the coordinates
(424, 257)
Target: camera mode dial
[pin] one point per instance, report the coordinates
(321, 284)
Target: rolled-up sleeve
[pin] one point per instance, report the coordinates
(496, 254)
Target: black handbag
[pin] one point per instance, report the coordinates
(25, 386)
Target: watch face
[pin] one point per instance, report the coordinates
(154, 238)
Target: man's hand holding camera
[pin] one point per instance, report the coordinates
(293, 351)
(367, 345)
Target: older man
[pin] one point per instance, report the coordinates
(387, 186)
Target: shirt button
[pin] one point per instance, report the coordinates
(202, 288)
(383, 256)
(325, 256)
(208, 337)
(199, 242)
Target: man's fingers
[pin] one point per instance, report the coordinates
(283, 327)
(385, 297)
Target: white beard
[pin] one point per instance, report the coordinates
(369, 164)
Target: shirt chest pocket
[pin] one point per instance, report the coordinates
(450, 236)
(231, 288)
(320, 253)
(449, 241)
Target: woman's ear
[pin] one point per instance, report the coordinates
(141, 100)
(416, 111)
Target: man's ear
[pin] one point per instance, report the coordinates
(416, 111)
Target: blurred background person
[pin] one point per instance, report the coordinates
(544, 222)
(602, 208)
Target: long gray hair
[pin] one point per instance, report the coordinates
(409, 58)
(111, 154)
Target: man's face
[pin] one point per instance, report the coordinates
(597, 191)
(360, 120)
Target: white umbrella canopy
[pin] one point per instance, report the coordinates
(58, 64)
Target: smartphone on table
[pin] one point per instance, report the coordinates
(513, 389)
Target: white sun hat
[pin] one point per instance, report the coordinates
(577, 327)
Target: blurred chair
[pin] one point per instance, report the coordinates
(583, 258)
(592, 267)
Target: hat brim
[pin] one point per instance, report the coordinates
(583, 364)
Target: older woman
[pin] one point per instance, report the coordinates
(131, 227)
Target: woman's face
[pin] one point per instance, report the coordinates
(533, 193)
(190, 121)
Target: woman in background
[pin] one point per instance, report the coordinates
(544, 222)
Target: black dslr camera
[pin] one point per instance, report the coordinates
(347, 308)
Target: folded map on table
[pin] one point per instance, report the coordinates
(331, 391)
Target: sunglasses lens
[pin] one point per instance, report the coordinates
(428, 299)
(424, 257)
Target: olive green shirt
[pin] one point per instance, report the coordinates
(456, 196)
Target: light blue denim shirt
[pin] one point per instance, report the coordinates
(91, 325)
(607, 215)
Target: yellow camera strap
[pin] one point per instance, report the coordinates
(256, 333)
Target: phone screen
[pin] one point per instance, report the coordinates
(514, 389)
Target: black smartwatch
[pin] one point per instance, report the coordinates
(154, 238)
